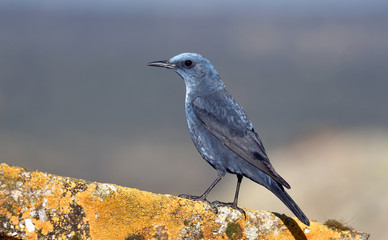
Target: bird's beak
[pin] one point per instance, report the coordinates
(163, 63)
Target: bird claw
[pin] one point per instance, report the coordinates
(200, 198)
(216, 204)
(195, 198)
(192, 197)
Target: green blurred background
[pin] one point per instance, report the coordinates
(77, 99)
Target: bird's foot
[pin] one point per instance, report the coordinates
(195, 198)
(200, 198)
(216, 204)
(192, 197)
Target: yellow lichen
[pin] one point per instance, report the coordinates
(10, 172)
(38, 180)
(26, 214)
(44, 227)
(14, 220)
(81, 210)
(64, 201)
(4, 211)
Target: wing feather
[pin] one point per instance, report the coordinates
(227, 121)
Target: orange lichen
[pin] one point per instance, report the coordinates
(43, 226)
(32, 236)
(69, 208)
(10, 172)
(26, 214)
(64, 203)
(14, 220)
(38, 180)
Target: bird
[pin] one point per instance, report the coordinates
(222, 133)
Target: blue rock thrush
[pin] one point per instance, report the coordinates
(222, 132)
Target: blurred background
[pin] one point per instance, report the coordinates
(77, 99)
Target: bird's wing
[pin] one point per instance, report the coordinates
(227, 121)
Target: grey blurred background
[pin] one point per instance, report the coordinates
(77, 99)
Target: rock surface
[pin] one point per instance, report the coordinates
(36, 205)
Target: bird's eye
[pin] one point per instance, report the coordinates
(188, 63)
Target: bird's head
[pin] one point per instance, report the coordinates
(196, 71)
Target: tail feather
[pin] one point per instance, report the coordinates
(279, 191)
(275, 187)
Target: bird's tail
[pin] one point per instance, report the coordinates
(276, 188)
(279, 191)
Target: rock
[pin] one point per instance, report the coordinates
(37, 205)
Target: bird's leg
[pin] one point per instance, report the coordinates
(234, 203)
(204, 195)
(239, 179)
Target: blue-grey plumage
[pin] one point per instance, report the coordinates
(222, 132)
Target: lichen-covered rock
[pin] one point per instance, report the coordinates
(36, 205)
